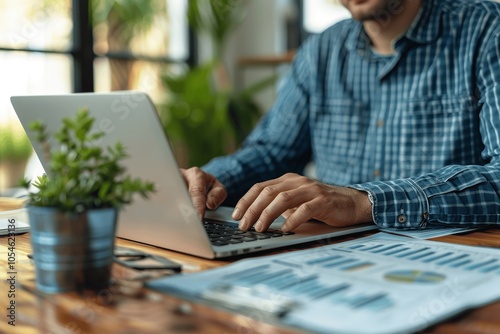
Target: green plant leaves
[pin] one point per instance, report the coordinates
(131, 16)
(14, 145)
(204, 116)
(218, 18)
(208, 121)
(83, 175)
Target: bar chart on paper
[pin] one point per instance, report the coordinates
(394, 284)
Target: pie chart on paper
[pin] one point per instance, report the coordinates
(414, 276)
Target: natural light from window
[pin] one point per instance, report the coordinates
(321, 14)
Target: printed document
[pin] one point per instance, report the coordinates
(379, 284)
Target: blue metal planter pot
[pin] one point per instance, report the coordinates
(72, 251)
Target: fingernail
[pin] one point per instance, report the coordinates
(211, 203)
(258, 226)
(242, 225)
(236, 214)
(284, 228)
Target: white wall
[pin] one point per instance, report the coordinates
(261, 33)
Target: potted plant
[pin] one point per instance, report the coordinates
(205, 116)
(124, 21)
(73, 213)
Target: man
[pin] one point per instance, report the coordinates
(398, 108)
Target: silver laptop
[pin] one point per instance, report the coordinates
(168, 218)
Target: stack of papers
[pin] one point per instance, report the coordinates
(17, 228)
(430, 232)
(379, 284)
(13, 222)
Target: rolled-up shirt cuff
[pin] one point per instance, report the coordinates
(399, 204)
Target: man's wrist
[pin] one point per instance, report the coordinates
(363, 207)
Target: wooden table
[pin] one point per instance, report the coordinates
(128, 307)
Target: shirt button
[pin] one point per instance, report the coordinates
(376, 173)
(402, 219)
(380, 123)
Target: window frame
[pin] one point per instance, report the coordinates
(82, 49)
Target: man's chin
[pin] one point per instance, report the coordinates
(361, 13)
(363, 16)
(363, 10)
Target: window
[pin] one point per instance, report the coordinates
(317, 15)
(63, 46)
(136, 41)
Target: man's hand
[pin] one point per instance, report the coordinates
(300, 199)
(205, 190)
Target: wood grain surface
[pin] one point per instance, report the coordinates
(128, 307)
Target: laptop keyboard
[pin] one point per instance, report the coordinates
(221, 233)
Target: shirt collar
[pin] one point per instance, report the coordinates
(357, 39)
(424, 29)
(426, 26)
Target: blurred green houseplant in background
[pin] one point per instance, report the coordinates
(124, 20)
(205, 116)
(14, 144)
(15, 149)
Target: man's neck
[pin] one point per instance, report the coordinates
(385, 29)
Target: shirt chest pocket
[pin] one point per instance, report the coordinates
(339, 129)
(435, 132)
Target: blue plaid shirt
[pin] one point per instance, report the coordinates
(418, 130)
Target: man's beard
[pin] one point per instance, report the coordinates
(386, 9)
